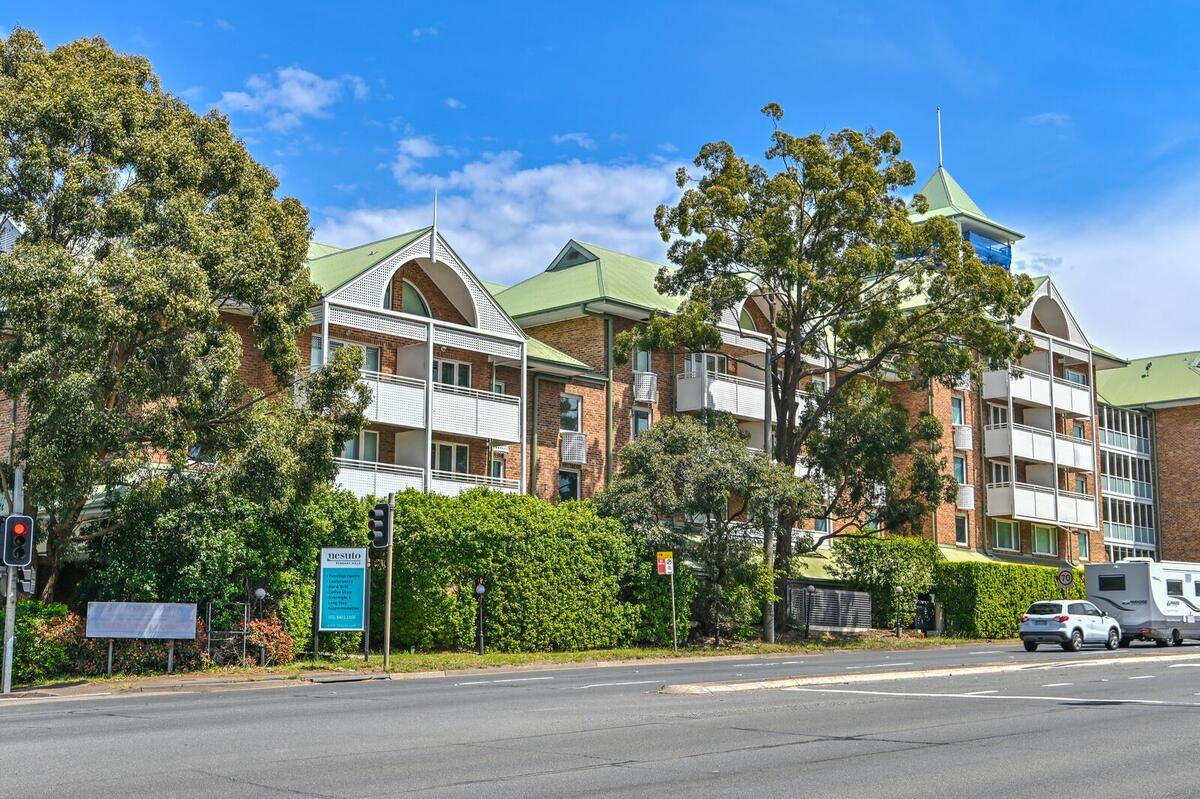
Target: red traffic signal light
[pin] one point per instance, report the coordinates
(18, 541)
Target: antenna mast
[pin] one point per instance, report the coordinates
(939, 118)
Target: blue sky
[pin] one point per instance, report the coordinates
(545, 121)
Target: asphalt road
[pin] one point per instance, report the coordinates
(1090, 725)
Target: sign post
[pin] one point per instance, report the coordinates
(1066, 579)
(666, 565)
(387, 599)
(341, 603)
(10, 601)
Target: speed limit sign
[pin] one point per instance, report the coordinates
(1066, 577)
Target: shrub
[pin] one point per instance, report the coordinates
(555, 574)
(650, 594)
(269, 636)
(878, 565)
(39, 653)
(89, 656)
(986, 600)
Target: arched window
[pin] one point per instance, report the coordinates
(411, 300)
(746, 320)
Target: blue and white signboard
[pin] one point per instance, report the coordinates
(141, 620)
(342, 601)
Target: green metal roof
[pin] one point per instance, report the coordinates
(1152, 381)
(585, 273)
(332, 271)
(493, 288)
(947, 198)
(541, 351)
(317, 249)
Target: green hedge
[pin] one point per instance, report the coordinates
(650, 594)
(38, 653)
(556, 575)
(986, 600)
(879, 564)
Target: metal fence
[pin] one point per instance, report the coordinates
(828, 610)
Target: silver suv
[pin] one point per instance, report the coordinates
(1070, 623)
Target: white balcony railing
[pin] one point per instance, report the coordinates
(1039, 503)
(471, 412)
(964, 437)
(395, 400)
(717, 392)
(645, 387)
(367, 478)
(1022, 441)
(573, 447)
(1074, 453)
(454, 483)
(966, 497)
(1025, 385)
(1072, 398)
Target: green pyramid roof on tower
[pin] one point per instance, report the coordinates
(947, 198)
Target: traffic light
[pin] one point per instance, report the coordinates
(18, 541)
(381, 525)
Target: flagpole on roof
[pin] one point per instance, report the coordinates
(433, 236)
(939, 120)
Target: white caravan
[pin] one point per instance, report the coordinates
(1153, 600)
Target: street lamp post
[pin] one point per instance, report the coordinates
(260, 594)
(899, 594)
(480, 590)
(808, 597)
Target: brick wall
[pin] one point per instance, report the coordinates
(1177, 446)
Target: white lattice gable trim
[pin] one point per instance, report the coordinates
(454, 278)
(1048, 303)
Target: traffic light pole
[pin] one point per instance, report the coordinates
(10, 602)
(387, 599)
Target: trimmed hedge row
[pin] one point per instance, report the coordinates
(558, 576)
(986, 600)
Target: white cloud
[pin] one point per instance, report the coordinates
(224, 24)
(508, 221)
(668, 147)
(288, 95)
(584, 141)
(1054, 119)
(1127, 272)
(425, 31)
(456, 104)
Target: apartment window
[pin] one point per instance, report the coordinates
(694, 364)
(1045, 540)
(958, 413)
(497, 468)
(641, 360)
(821, 525)
(1005, 535)
(1080, 484)
(998, 472)
(451, 457)
(1084, 546)
(452, 373)
(997, 414)
(569, 416)
(962, 530)
(1076, 377)
(1077, 431)
(641, 421)
(370, 354)
(568, 484)
(363, 448)
(498, 387)
(817, 385)
(746, 321)
(960, 469)
(411, 299)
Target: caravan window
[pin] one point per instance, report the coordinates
(1174, 587)
(1112, 582)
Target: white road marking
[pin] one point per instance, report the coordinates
(608, 684)
(1143, 677)
(511, 679)
(987, 652)
(879, 665)
(980, 693)
(1073, 699)
(1184, 666)
(791, 663)
(1057, 684)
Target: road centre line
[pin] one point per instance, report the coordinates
(922, 695)
(1057, 684)
(1143, 677)
(511, 679)
(608, 684)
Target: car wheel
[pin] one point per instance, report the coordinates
(1114, 639)
(1076, 642)
(1031, 646)
(1176, 638)
(1160, 641)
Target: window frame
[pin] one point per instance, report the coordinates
(436, 445)
(1051, 536)
(1084, 546)
(633, 423)
(578, 484)
(336, 344)
(636, 357)
(957, 401)
(960, 459)
(1014, 532)
(496, 460)
(437, 372)
(963, 540)
(578, 412)
(360, 445)
(404, 283)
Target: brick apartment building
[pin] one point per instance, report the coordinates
(517, 388)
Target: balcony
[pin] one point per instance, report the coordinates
(989, 250)
(1130, 488)
(454, 483)
(1072, 398)
(718, 392)
(1074, 453)
(1114, 438)
(471, 412)
(573, 447)
(395, 400)
(370, 479)
(964, 437)
(645, 387)
(1018, 440)
(966, 498)
(1026, 386)
(1039, 503)
(1129, 534)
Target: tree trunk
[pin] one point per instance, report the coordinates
(783, 562)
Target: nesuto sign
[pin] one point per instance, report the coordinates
(343, 580)
(172, 620)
